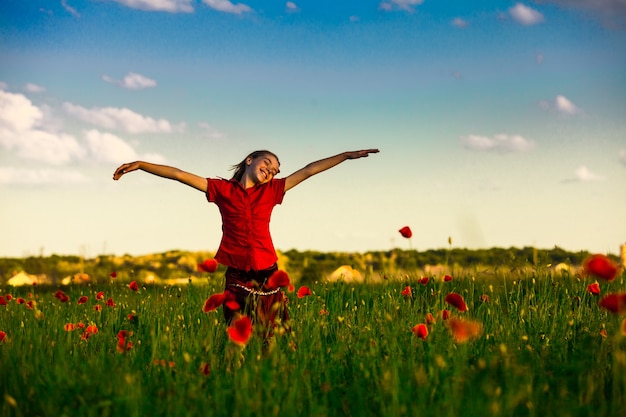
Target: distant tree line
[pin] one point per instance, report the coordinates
(301, 265)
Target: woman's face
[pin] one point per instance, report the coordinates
(262, 168)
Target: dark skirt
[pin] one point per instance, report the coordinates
(264, 306)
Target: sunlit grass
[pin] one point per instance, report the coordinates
(545, 349)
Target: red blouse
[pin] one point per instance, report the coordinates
(246, 242)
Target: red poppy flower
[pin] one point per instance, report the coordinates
(594, 288)
(30, 304)
(601, 266)
(430, 319)
(9, 297)
(209, 265)
(100, 295)
(464, 330)
(423, 280)
(420, 330)
(407, 292)
(97, 307)
(406, 232)
(82, 299)
(92, 328)
(447, 278)
(80, 325)
(133, 286)
(304, 291)
(205, 369)
(241, 330)
(604, 333)
(110, 302)
(113, 274)
(20, 300)
(485, 298)
(456, 301)
(61, 296)
(69, 327)
(278, 279)
(214, 302)
(232, 304)
(323, 312)
(122, 344)
(615, 303)
(132, 318)
(3, 336)
(3, 301)
(445, 314)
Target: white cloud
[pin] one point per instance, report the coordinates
(132, 81)
(120, 118)
(291, 6)
(525, 15)
(583, 174)
(106, 147)
(34, 88)
(622, 156)
(70, 9)
(19, 176)
(22, 132)
(26, 132)
(460, 23)
(562, 105)
(210, 132)
(227, 7)
(611, 12)
(171, 6)
(499, 143)
(406, 5)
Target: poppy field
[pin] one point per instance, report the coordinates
(491, 342)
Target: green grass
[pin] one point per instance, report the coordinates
(540, 354)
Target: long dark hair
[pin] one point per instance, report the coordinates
(240, 168)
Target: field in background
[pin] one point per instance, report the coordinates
(546, 348)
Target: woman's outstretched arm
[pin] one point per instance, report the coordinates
(164, 171)
(322, 165)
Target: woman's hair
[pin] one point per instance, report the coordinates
(240, 168)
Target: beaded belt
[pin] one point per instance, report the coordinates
(255, 292)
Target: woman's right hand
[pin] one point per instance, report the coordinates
(125, 169)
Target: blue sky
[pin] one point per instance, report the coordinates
(499, 123)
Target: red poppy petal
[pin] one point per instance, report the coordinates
(214, 302)
(303, 291)
(601, 266)
(232, 305)
(594, 288)
(464, 330)
(278, 279)
(406, 232)
(420, 330)
(133, 286)
(456, 301)
(208, 265)
(241, 330)
(615, 303)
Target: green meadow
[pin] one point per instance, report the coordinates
(546, 349)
